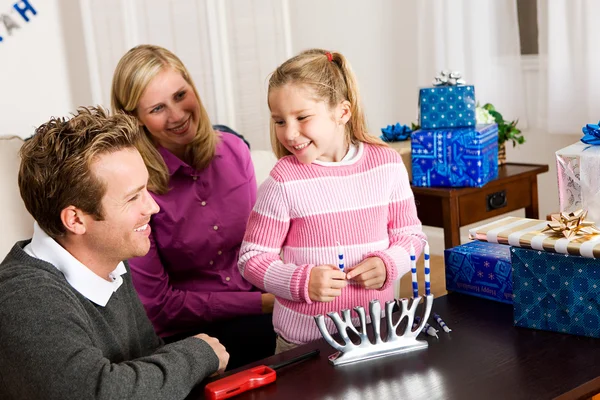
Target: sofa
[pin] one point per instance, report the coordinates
(19, 224)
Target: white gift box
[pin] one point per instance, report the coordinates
(578, 170)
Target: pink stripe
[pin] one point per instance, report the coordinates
(349, 227)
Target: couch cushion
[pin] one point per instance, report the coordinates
(17, 223)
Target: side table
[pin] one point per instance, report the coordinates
(451, 208)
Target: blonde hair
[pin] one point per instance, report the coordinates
(330, 77)
(135, 71)
(55, 170)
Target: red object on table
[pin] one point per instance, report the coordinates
(251, 378)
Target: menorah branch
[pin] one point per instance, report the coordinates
(366, 349)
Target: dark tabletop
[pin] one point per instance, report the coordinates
(484, 357)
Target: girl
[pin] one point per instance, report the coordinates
(204, 183)
(333, 183)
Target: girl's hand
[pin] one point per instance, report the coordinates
(326, 283)
(370, 273)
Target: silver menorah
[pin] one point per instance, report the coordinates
(394, 343)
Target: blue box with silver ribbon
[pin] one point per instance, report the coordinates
(480, 269)
(463, 157)
(447, 107)
(556, 292)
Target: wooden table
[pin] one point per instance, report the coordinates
(484, 357)
(451, 208)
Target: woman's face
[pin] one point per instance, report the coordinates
(169, 110)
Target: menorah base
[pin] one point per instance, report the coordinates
(382, 350)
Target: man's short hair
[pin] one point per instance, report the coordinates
(55, 164)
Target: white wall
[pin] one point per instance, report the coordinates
(34, 77)
(379, 40)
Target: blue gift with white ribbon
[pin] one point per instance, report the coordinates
(556, 292)
(463, 157)
(449, 104)
(480, 269)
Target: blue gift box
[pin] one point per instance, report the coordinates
(463, 157)
(480, 269)
(447, 107)
(556, 292)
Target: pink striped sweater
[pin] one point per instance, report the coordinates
(365, 203)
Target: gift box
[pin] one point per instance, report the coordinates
(447, 107)
(463, 157)
(403, 148)
(527, 233)
(480, 269)
(577, 168)
(556, 292)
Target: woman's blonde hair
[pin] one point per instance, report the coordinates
(135, 71)
(330, 77)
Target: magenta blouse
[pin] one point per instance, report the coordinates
(190, 276)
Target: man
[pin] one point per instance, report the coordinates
(72, 326)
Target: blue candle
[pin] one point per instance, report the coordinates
(341, 261)
(413, 270)
(427, 271)
(430, 330)
(416, 322)
(427, 329)
(442, 323)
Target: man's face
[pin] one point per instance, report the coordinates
(126, 205)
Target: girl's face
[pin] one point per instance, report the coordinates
(169, 110)
(306, 126)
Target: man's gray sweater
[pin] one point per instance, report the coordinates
(56, 344)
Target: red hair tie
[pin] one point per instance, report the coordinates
(329, 56)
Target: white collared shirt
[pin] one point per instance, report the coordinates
(86, 282)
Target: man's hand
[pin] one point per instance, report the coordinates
(218, 348)
(370, 273)
(268, 300)
(326, 283)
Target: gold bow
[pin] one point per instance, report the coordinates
(571, 225)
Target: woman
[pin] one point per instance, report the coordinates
(203, 180)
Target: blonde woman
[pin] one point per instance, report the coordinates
(203, 180)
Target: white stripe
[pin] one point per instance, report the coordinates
(537, 240)
(379, 245)
(249, 246)
(513, 238)
(560, 246)
(328, 255)
(354, 193)
(492, 234)
(587, 248)
(388, 168)
(277, 279)
(473, 231)
(268, 214)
